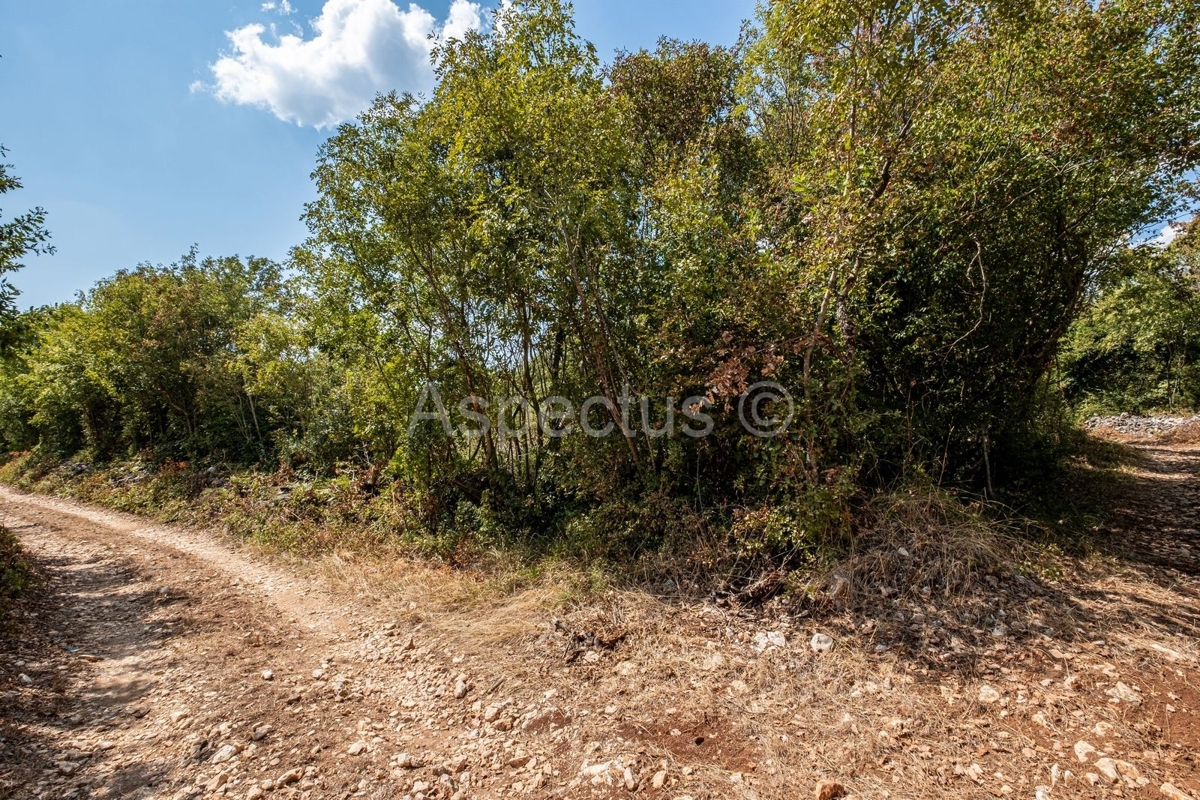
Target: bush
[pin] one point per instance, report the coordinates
(16, 576)
(1137, 346)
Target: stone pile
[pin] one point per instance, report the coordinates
(1132, 425)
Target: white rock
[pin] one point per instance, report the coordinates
(1113, 769)
(356, 748)
(821, 643)
(1175, 794)
(988, 694)
(224, 754)
(1084, 751)
(460, 690)
(769, 639)
(268, 675)
(289, 777)
(1123, 692)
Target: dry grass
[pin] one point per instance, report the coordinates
(1186, 434)
(922, 542)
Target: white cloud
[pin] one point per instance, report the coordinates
(1168, 235)
(463, 18)
(359, 48)
(284, 7)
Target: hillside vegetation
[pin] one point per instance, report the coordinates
(911, 231)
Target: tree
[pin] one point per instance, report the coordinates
(467, 239)
(1136, 347)
(534, 230)
(20, 236)
(947, 181)
(149, 360)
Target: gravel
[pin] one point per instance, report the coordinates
(1132, 425)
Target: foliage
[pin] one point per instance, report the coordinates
(947, 181)
(147, 360)
(894, 211)
(20, 236)
(1137, 346)
(15, 574)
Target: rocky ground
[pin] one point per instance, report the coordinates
(160, 662)
(1132, 425)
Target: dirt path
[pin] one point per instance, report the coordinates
(166, 663)
(163, 663)
(1160, 522)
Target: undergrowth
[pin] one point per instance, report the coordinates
(915, 540)
(16, 576)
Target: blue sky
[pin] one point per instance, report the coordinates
(120, 126)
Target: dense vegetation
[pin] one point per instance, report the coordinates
(15, 573)
(25, 234)
(1136, 347)
(895, 211)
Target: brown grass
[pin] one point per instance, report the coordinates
(1186, 434)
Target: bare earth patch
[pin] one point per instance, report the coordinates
(168, 663)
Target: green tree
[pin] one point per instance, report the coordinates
(947, 181)
(20, 236)
(149, 360)
(539, 227)
(1136, 347)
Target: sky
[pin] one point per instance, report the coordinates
(144, 126)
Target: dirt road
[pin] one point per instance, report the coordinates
(1160, 521)
(167, 663)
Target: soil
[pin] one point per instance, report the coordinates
(157, 661)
